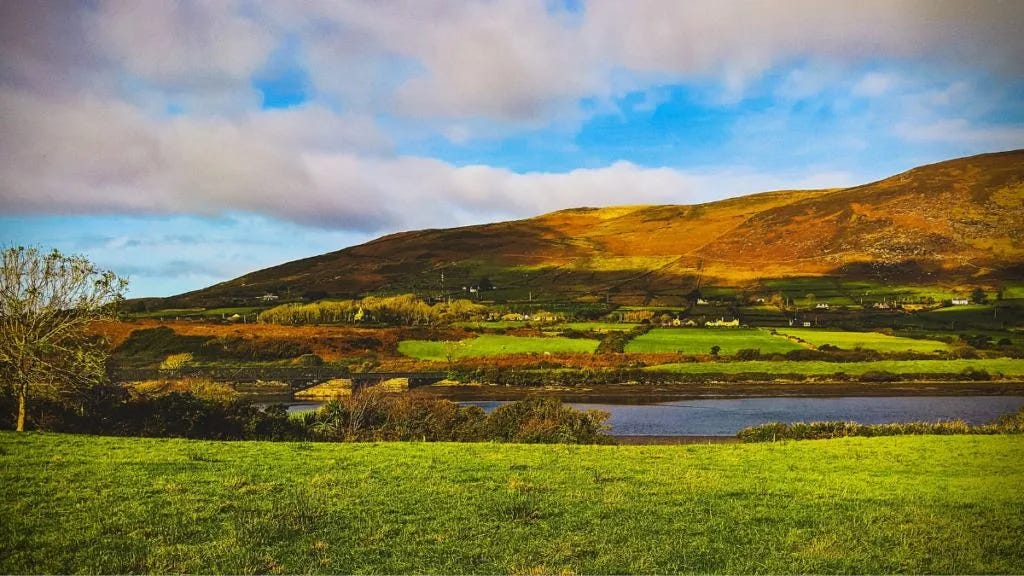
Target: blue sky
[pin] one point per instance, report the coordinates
(187, 143)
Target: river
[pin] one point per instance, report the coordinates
(726, 417)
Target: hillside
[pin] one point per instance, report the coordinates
(953, 222)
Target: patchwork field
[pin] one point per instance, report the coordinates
(1004, 366)
(867, 340)
(700, 341)
(910, 504)
(494, 345)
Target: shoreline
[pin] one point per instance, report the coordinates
(665, 440)
(653, 393)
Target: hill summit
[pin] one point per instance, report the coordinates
(952, 222)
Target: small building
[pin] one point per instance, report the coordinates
(961, 301)
(822, 306)
(268, 297)
(701, 301)
(807, 324)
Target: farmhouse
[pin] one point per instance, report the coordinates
(268, 297)
(822, 306)
(961, 301)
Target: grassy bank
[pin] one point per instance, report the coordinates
(904, 504)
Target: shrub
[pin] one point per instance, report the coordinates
(775, 431)
(748, 354)
(176, 361)
(974, 374)
(308, 360)
(547, 420)
(878, 376)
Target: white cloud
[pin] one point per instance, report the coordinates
(181, 44)
(304, 165)
(962, 131)
(875, 84)
(515, 61)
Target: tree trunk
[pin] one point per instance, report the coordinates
(21, 411)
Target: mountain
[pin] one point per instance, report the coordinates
(952, 222)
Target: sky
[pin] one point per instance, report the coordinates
(186, 143)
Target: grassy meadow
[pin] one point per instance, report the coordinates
(494, 345)
(867, 340)
(700, 341)
(1004, 366)
(911, 504)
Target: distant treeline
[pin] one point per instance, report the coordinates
(405, 309)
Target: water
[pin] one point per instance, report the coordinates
(726, 417)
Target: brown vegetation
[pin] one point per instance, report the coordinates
(947, 220)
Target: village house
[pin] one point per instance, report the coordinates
(268, 297)
(961, 301)
(822, 306)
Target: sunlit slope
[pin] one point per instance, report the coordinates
(956, 220)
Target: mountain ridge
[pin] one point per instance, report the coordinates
(952, 221)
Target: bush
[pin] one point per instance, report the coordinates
(776, 431)
(975, 374)
(308, 360)
(878, 376)
(176, 361)
(547, 420)
(748, 354)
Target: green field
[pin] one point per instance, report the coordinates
(910, 504)
(596, 326)
(700, 341)
(867, 340)
(1005, 366)
(494, 325)
(495, 345)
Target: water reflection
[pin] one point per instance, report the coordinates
(725, 417)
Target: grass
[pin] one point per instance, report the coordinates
(867, 340)
(912, 504)
(495, 345)
(700, 341)
(1005, 366)
(596, 326)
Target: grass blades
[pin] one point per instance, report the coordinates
(923, 504)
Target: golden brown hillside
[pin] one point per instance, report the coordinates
(947, 222)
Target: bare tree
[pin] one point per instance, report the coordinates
(47, 301)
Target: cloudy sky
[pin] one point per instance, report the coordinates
(185, 143)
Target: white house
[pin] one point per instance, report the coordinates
(268, 297)
(961, 301)
(822, 306)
